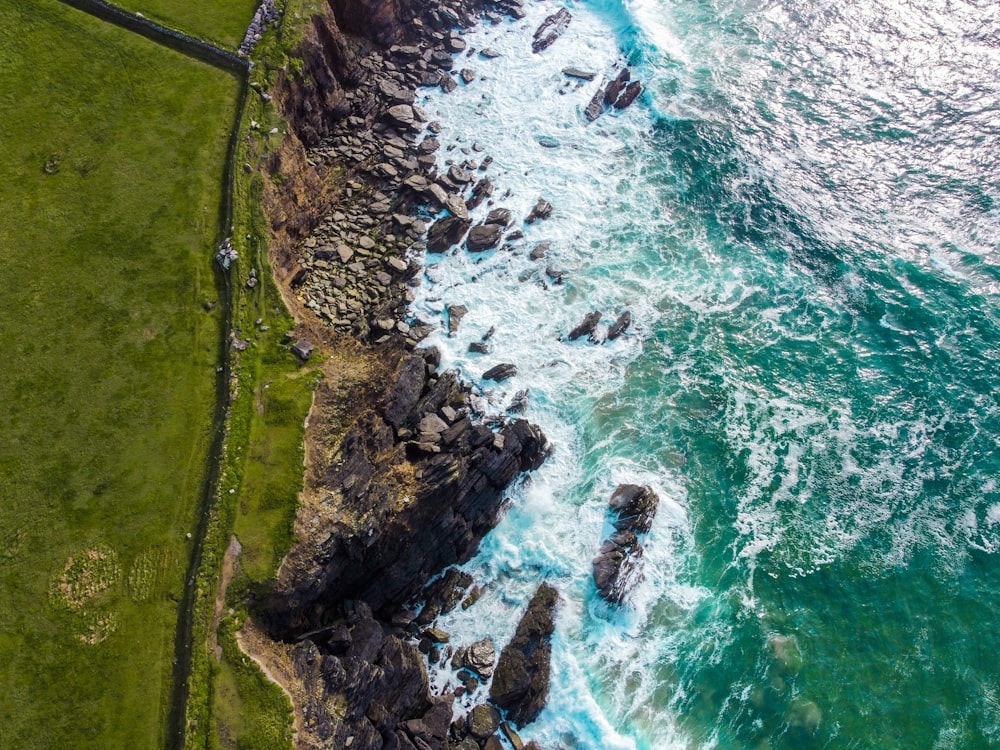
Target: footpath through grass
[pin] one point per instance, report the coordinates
(111, 162)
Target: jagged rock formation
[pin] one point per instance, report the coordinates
(618, 565)
(521, 682)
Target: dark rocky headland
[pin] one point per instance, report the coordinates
(404, 475)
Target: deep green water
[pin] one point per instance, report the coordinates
(803, 216)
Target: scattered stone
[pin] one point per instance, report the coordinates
(467, 75)
(479, 347)
(500, 216)
(489, 53)
(538, 252)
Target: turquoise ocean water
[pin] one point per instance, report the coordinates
(801, 213)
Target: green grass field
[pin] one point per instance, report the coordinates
(111, 161)
(223, 22)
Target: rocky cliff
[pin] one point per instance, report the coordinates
(405, 477)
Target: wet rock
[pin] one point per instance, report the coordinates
(519, 402)
(480, 657)
(595, 106)
(455, 315)
(629, 95)
(500, 372)
(483, 237)
(479, 347)
(499, 216)
(616, 86)
(550, 30)
(620, 326)
(539, 251)
(521, 682)
(446, 232)
(634, 507)
(542, 210)
(586, 326)
(467, 75)
(489, 53)
(617, 567)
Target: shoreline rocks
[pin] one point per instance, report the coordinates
(521, 682)
(617, 568)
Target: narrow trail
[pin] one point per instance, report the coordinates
(239, 67)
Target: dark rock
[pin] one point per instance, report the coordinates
(482, 190)
(586, 326)
(446, 232)
(448, 84)
(512, 736)
(483, 237)
(519, 402)
(406, 391)
(467, 75)
(454, 44)
(635, 506)
(500, 372)
(479, 347)
(538, 252)
(521, 682)
(483, 721)
(489, 53)
(620, 326)
(550, 29)
(628, 95)
(615, 87)
(595, 106)
(501, 216)
(542, 210)
(617, 567)
(403, 116)
(429, 145)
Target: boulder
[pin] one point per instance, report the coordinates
(455, 315)
(402, 116)
(620, 325)
(521, 682)
(446, 232)
(628, 95)
(617, 567)
(635, 506)
(483, 237)
(480, 657)
(542, 210)
(586, 326)
(595, 106)
(616, 86)
(500, 372)
(550, 29)
(500, 216)
(583, 75)
(483, 721)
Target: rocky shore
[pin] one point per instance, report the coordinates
(406, 474)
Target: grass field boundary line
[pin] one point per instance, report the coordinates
(175, 40)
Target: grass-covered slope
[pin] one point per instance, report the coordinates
(111, 161)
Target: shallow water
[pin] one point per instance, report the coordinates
(801, 214)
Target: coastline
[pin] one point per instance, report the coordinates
(403, 478)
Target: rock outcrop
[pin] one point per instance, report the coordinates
(618, 565)
(521, 682)
(413, 491)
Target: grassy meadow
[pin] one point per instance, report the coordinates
(111, 163)
(223, 22)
